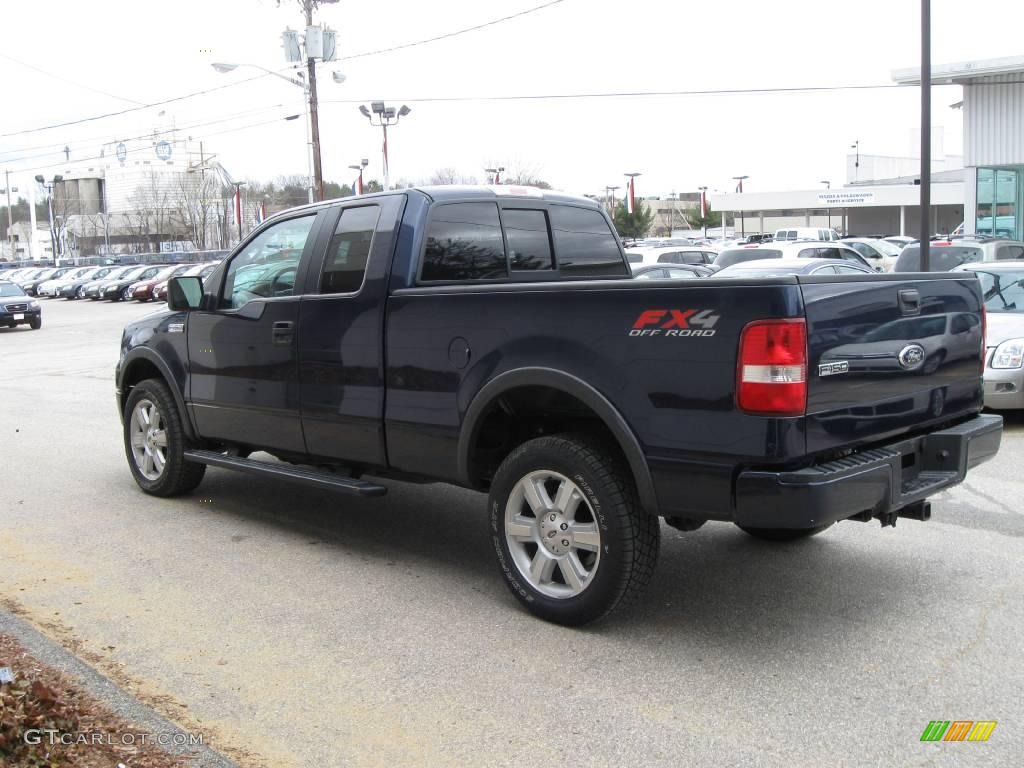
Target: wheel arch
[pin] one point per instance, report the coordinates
(487, 398)
(142, 363)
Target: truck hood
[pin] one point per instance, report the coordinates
(1003, 326)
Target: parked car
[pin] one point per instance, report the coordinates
(944, 255)
(50, 288)
(821, 234)
(200, 270)
(692, 254)
(585, 403)
(32, 283)
(18, 308)
(93, 288)
(779, 250)
(1002, 288)
(143, 289)
(900, 241)
(75, 289)
(670, 272)
(880, 254)
(794, 266)
(117, 289)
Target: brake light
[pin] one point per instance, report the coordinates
(772, 368)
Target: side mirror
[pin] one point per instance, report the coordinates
(184, 293)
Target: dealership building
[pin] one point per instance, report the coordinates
(983, 189)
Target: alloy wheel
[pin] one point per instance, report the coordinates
(148, 439)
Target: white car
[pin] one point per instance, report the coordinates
(879, 253)
(806, 233)
(798, 250)
(670, 254)
(49, 288)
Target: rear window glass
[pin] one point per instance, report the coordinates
(738, 255)
(681, 257)
(528, 243)
(584, 243)
(942, 258)
(464, 243)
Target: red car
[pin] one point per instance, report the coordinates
(143, 290)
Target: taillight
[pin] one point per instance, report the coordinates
(772, 370)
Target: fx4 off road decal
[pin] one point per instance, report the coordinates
(693, 323)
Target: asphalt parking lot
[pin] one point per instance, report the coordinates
(295, 627)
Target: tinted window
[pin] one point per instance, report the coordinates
(529, 246)
(634, 258)
(464, 243)
(349, 250)
(682, 257)
(941, 258)
(738, 255)
(1010, 252)
(584, 243)
(267, 266)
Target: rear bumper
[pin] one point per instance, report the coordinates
(878, 481)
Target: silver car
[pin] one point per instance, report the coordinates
(1002, 285)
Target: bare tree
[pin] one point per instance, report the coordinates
(450, 176)
(154, 217)
(196, 202)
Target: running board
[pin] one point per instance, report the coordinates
(286, 472)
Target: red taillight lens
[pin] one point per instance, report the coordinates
(772, 371)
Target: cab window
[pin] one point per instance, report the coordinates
(464, 242)
(267, 266)
(349, 250)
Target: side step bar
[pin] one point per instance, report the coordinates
(286, 472)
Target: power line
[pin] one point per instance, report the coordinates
(456, 33)
(67, 80)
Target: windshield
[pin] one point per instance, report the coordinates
(1003, 290)
(942, 258)
(10, 289)
(738, 255)
(886, 247)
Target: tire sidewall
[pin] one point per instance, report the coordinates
(158, 394)
(602, 496)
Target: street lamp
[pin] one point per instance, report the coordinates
(54, 241)
(315, 181)
(739, 188)
(704, 210)
(856, 161)
(495, 173)
(609, 190)
(8, 189)
(362, 164)
(385, 116)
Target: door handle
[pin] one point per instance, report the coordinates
(281, 331)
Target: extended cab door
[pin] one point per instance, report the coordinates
(242, 348)
(341, 332)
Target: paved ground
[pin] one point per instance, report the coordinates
(301, 628)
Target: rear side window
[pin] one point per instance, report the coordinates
(682, 257)
(464, 243)
(941, 258)
(1010, 252)
(739, 255)
(584, 243)
(349, 250)
(528, 243)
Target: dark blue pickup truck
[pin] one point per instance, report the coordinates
(492, 338)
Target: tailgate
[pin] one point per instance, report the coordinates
(888, 354)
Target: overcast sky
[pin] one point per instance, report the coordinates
(143, 52)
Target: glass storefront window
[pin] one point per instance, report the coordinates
(1000, 202)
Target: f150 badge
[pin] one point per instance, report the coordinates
(675, 322)
(831, 369)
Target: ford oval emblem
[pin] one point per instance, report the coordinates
(911, 356)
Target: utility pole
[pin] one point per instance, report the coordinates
(10, 234)
(318, 178)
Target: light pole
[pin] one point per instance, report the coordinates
(8, 190)
(704, 209)
(739, 188)
(315, 181)
(385, 116)
(631, 192)
(611, 206)
(362, 164)
(828, 185)
(495, 173)
(54, 242)
(856, 159)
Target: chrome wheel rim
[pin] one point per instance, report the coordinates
(552, 534)
(148, 439)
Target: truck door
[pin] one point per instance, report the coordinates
(243, 354)
(341, 338)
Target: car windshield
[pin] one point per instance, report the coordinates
(886, 247)
(738, 255)
(10, 289)
(1003, 290)
(942, 258)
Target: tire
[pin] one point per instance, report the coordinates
(578, 580)
(80, 293)
(35, 323)
(124, 295)
(176, 476)
(784, 534)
